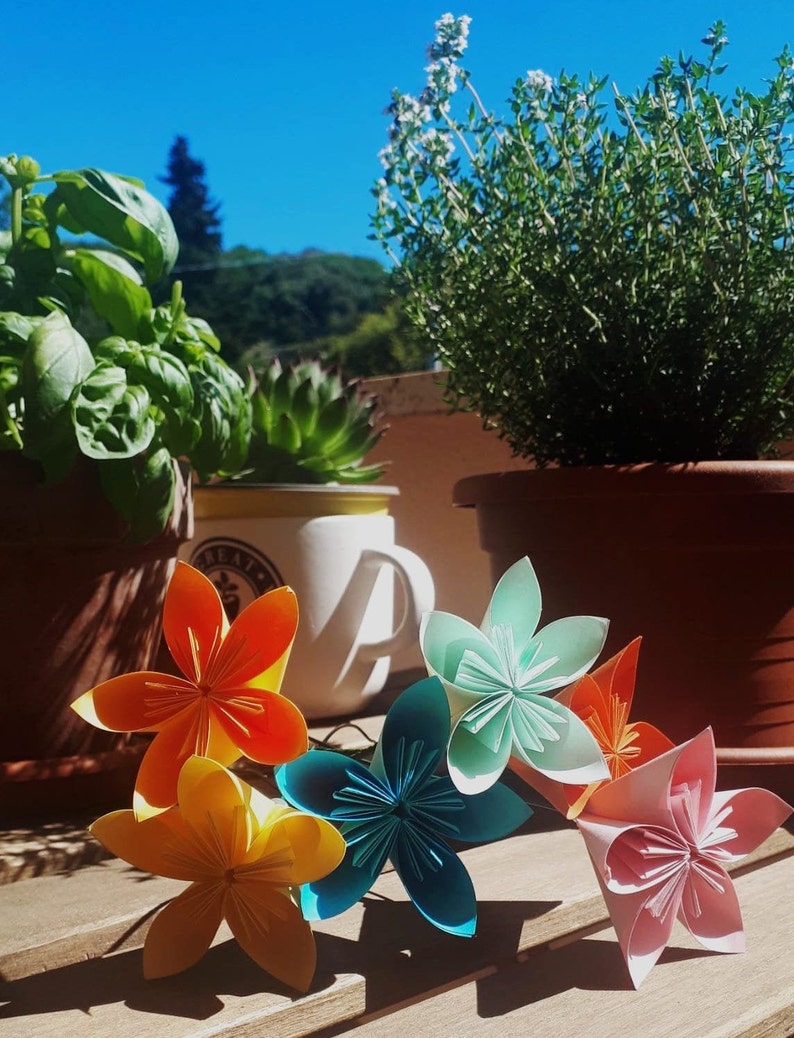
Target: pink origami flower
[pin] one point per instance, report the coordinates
(660, 839)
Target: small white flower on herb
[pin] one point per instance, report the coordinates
(539, 80)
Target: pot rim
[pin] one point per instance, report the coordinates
(650, 478)
(288, 500)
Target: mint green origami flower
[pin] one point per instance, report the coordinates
(498, 679)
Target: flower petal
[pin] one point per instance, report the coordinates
(516, 602)
(710, 909)
(193, 620)
(420, 713)
(569, 647)
(339, 890)
(490, 815)
(573, 757)
(212, 803)
(444, 638)
(309, 847)
(258, 641)
(156, 784)
(443, 894)
(264, 725)
(269, 927)
(475, 762)
(183, 931)
(311, 781)
(133, 702)
(146, 845)
(754, 816)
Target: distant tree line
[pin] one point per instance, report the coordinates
(260, 305)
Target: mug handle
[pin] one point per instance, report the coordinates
(418, 593)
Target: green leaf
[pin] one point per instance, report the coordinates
(114, 287)
(56, 364)
(112, 418)
(121, 212)
(141, 490)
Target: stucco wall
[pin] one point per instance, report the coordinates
(428, 450)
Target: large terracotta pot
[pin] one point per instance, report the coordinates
(81, 603)
(698, 559)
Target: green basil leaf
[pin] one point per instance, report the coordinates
(112, 418)
(141, 489)
(121, 212)
(55, 365)
(114, 287)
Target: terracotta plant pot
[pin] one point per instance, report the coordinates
(81, 604)
(698, 559)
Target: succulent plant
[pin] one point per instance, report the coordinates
(310, 426)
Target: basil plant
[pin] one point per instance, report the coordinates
(88, 365)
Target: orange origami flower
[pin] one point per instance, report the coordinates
(226, 705)
(242, 855)
(603, 701)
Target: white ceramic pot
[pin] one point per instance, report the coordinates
(334, 546)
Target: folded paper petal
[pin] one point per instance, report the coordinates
(310, 782)
(171, 748)
(340, 890)
(136, 702)
(562, 651)
(660, 838)
(146, 846)
(193, 620)
(516, 601)
(244, 655)
(438, 884)
(299, 849)
(269, 928)
(421, 709)
(182, 932)
(444, 638)
(491, 815)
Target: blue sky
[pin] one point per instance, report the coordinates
(284, 102)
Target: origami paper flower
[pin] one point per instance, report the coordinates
(497, 680)
(603, 701)
(397, 808)
(226, 705)
(242, 854)
(660, 838)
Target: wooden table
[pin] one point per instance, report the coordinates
(544, 959)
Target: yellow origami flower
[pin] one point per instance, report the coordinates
(227, 704)
(242, 854)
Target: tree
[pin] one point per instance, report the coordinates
(195, 215)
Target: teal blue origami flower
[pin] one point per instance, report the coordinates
(399, 809)
(498, 679)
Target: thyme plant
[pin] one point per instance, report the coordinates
(609, 278)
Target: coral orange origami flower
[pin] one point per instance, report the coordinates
(242, 854)
(226, 705)
(602, 699)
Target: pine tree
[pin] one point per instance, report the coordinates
(195, 215)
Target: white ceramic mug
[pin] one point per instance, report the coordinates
(342, 569)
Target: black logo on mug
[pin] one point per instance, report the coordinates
(239, 571)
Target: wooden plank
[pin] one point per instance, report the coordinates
(583, 988)
(534, 889)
